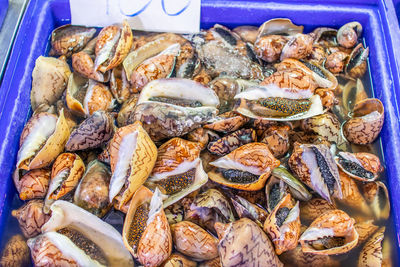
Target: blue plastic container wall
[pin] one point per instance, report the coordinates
(42, 16)
(3, 10)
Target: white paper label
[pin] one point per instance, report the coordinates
(180, 16)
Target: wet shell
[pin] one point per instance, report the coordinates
(178, 169)
(154, 68)
(365, 231)
(69, 39)
(147, 236)
(98, 97)
(174, 213)
(331, 224)
(92, 191)
(356, 63)
(352, 197)
(76, 93)
(316, 167)
(347, 35)
(327, 126)
(225, 88)
(211, 263)
(178, 260)
(42, 140)
(31, 217)
(298, 258)
(244, 243)
(193, 241)
(366, 122)
(269, 47)
(83, 64)
(163, 119)
(130, 146)
(297, 189)
(298, 46)
(112, 46)
(312, 209)
(247, 33)
(49, 80)
(377, 196)
(75, 235)
(126, 110)
(66, 173)
(361, 166)
(34, 184)
(199, 135)
(371, 253)
(353, 92)
(245, 209)
(92, 132)
(327, 97)
(119, 84)
(230, 142)
(227, 122)
(275, 190)
(15, 253)
(253, 158)
(279, 26)
(277, 139)
(283, 225)
(336, 61)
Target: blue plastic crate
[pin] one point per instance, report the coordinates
(3, 10)
(380, 32)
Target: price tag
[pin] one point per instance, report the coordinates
(180, 16)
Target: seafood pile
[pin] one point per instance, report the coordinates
(251, 146)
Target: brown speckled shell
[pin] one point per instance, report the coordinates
(339, 223)
(83, 64)
(313, 208)
(335, 62)
(193, 241)
(100, 98)
(244, 243)
(45, 253)
(69, 39)
(365, 230)
(228, 122)
(92, 132)
(348, 34)
(175, 152)
(199, 135)
(74, 164)
(327, 97)
(52, 148)
(298, 46)
(31, 217)
(142, 162)
(15, 253)
(298, 258)
(269, 47)
(286, 236)
(49, 80)
(361, 131)
(230, 142)
(122, 48)
(34, 184)
(371, 253)
(256, 155)
(277, 139)
(178, 260)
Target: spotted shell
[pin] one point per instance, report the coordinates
(352, 197)
(286, 236)
(334, 223)
(361, 161)
(347, 35)
(92, 191)
(15, 253)
(227, 122)
(193, 241)
(31, 217)
(68, 39)
(335, 62)
(92, 132)
(150, 241)
(113, 45)
(254, 158)
(298, 46)
(296, 257)
(366, 122)
(42, 140)
(312, 209)
(269, 47)
(34, 184)
(130, 146)
(66, 173)
(371, 253)
(230, 142)
(178, 260)
(49, 80)
(244, 243)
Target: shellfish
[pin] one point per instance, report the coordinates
(34, 184)
(247, 167)
(15, 253)
(371, 253)
(31, 217)
(362, 166)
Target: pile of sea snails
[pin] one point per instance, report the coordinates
(243, 147)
